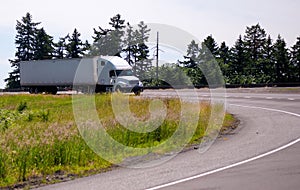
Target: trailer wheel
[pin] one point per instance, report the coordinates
(137, 92)
(31, 90)
(118, 89)
(36, 90)
(54, 91)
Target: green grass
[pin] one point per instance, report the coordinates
(39, 137)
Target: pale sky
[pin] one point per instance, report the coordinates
(224, 20)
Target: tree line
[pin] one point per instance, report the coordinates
(254, 58)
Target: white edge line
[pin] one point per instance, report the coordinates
(238, 163)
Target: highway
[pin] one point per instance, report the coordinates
(262, 153)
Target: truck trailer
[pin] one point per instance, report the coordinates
(92, 74)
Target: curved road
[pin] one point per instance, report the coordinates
(268, 122)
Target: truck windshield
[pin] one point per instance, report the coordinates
(124, 72)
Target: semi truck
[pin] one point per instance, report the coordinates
(91, 74)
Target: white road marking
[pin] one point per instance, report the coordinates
(241, 162)
(269, 98)
(248, 97)
(292, 99)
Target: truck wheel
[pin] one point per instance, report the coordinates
(137, 93)
(118, 89)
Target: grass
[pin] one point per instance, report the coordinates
(39, 137)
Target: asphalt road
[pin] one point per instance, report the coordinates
(280, 170)
(268, 121)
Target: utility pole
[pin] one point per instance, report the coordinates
(157, 49)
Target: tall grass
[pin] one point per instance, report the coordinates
(39, 137)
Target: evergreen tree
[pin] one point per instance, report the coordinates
(130, 42)
(142, 34)
(136, 51)
(208, 63)
(44, 46)
(109, 41)
(60, 48)
(117, 34)
(238, 63)
(224, 60)
(295, 61)
(191, 63)
(191, 59)
(254, 39)
(101, 45)
(142, 62)
(25, 43)
(172, 74)
(75, 47)
(117, 23)
(211, 45)
(281, 60)
(267, 63)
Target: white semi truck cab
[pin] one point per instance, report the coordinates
(93, 74)
(117, 73)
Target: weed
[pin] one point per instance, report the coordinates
(22, 106)
(44, 115)
(3, 165)
(39, 136)
(30, 117)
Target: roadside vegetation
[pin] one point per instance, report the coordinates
(40, 142)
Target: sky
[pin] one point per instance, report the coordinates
(224, 20)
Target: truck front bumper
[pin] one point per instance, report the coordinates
(132, 89)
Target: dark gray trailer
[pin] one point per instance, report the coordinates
(94, 74)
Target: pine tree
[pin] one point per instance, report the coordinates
(172, 74)
(44, 46)
(136, 51)
(101, 45)
(142, 34)
(238, 63)
(60, 48)
(117, 34)
(191, 58)
(117, 23)
(254, 39)
(142, 62)
(75, 47)
(281, 60)
(191, 64)
(211, 45)
(295, 61)
(208, 63)
(224, 60)
(109, 41)
(267, 63)
(130, 42)
(25, 43)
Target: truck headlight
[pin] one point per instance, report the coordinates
(141, 84)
